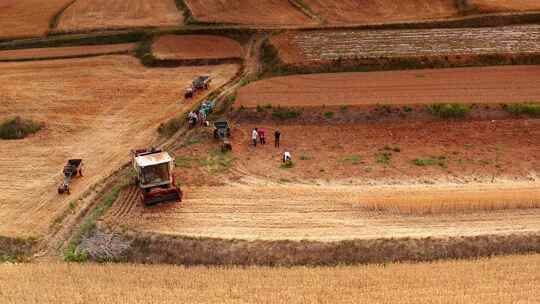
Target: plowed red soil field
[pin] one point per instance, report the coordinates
(28, 18)
(315, 47)
(189, 47)
(507, 84)
(491, 6)
(380, 11)
(263, 12)
(63, 52)
(96, 109)
(111, 14)
(342, 186)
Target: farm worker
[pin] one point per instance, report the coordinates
(202, 117)
(287, 157)
(262, 136)
(254, 135)
(277, 136)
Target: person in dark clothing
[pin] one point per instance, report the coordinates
(277, 137)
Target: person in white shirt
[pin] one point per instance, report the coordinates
(254, 135)
(287, 157)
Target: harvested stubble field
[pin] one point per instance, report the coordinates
(190, 47)
(85, 15)
(253, 12)
(485, 85)
(65, 52)
(29, 18)
(267, 211)
(492, 6)
(380, 11)
(91, 109)
(512, 279)
(315, 47)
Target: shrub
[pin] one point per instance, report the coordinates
(384, 157)
(343, 108)
(450, 110)
(352, 159)
(285, 114)
(18, 128)
(329, 115)
(530, 109)
(287, 165)
(432, 161)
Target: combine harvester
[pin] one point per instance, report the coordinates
(200, 83)
(154, 176)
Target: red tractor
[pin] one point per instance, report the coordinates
(154, 176)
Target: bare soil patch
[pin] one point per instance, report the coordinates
(253, 12)
(191, 47)
(495, 6)
(318, 47)
(29, 18)
(380, 11)
(65, 52)
(96, 109)
(485, 85)
(86, 15)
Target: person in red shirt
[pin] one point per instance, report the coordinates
(262, 136)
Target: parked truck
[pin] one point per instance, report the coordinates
(199, 83)
(71, 169)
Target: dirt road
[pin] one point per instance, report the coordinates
(508, 84)
(96, 109)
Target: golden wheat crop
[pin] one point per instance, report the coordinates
(499, 280)
(432, 202)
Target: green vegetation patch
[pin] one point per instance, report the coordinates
(440, 161)
(170, 127)
(217, 161)
(450, 110)
(351, 159)
(284, 114)
(72, 252)
(18, 128)
(530, 109)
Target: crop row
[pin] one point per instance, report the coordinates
(331, 45)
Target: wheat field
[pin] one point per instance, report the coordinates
(511, 279)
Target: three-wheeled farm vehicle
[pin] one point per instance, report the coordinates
(200, 83)
(155, 178)
(222, 132)
(71, 169)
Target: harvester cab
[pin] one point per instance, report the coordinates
(154, 176)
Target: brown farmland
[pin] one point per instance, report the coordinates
(29, 18)
(65, 52)
(492, 6)
(260, 12)
(380, 11)
(189, 47)
(96, 109)
(86, 15)
(511, 84)
(315, 47)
